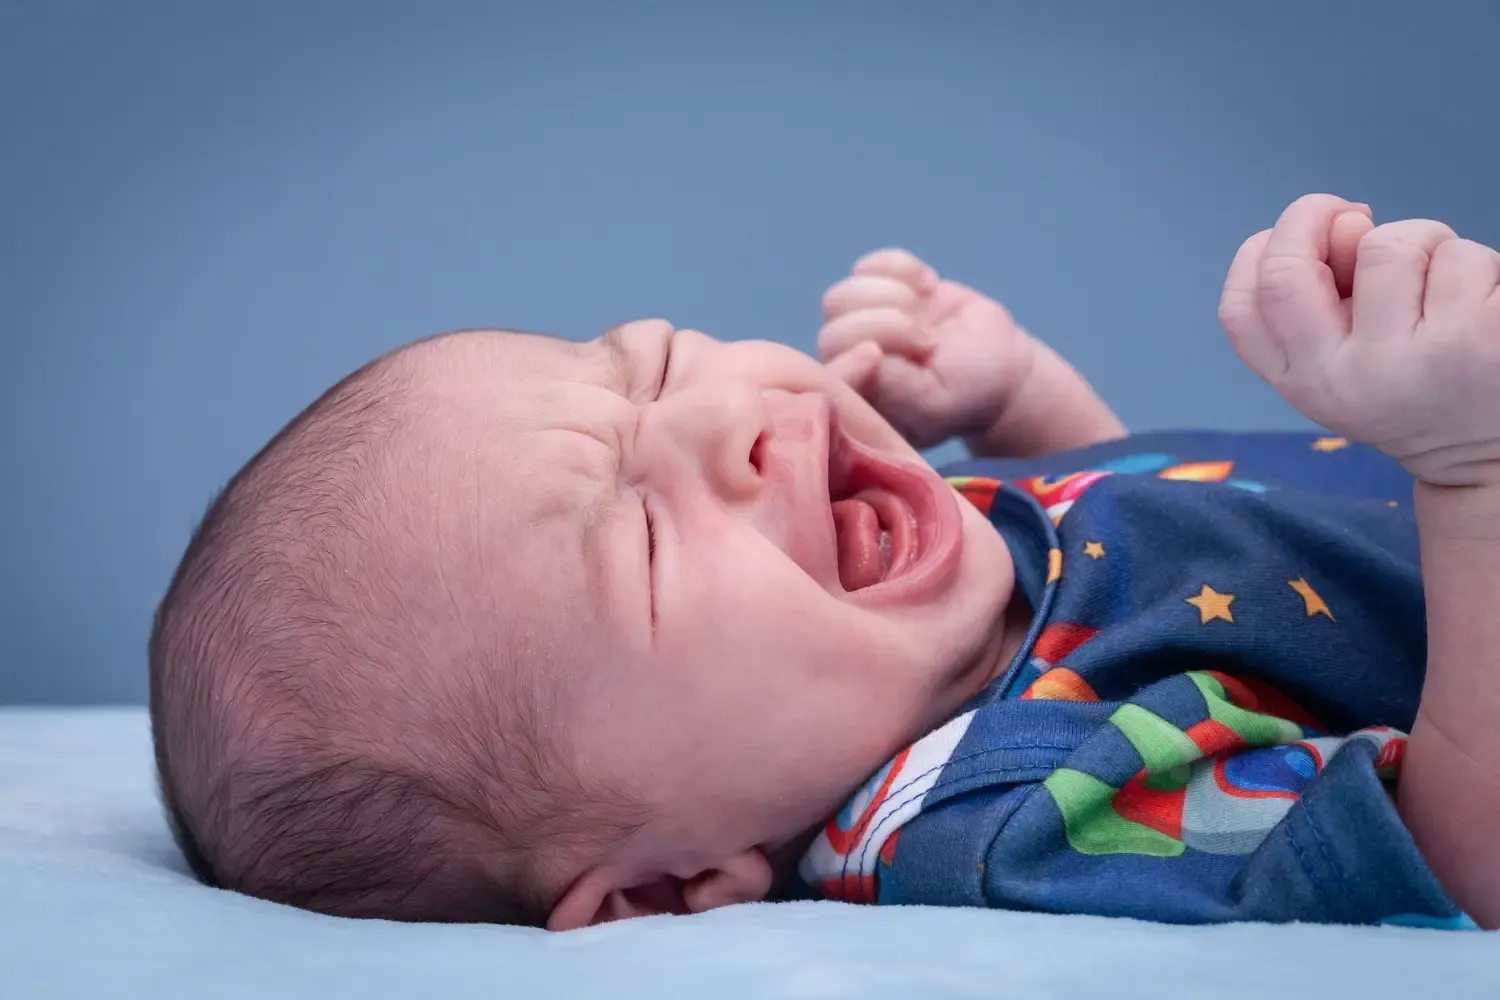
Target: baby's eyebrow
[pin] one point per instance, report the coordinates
(620, 357)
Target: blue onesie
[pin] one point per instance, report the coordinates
(1207, 716)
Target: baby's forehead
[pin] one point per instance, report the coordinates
(521, 362)
(505, 387)
(517, 506)
(531, 424)
(526, 388)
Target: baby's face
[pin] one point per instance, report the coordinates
(768, 592)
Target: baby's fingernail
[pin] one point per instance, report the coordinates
(926, 280)
(1360, 219)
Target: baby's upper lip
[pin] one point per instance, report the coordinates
(800, 500)
(829, 427)
(825, 571)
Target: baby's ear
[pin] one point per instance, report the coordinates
(599, 897)
(744, 878)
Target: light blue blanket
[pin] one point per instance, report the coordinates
(95, 902)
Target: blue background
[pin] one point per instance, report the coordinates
(211, 211)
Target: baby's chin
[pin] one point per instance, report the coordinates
(986, 572)
(985, 585)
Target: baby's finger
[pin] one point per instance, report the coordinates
(858, 365)
(895, 331)
(902, 265)
(1296, 294)
(1390, 276)
(1239, 312)
(1494, 299)
(1343, 248)
(867, 291)
(905, 393)
(1459, 279)
(950, 298)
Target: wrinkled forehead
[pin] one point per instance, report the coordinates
(534, 416)
(528, 428)
(514, 372)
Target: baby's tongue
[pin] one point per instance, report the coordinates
(862, 557)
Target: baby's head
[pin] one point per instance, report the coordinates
(509, 628)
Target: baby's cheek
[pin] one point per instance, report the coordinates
(770, 632)
(988, 575)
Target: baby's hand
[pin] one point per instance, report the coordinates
(935, 358)
(1388, 335)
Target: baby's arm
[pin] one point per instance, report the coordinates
(1450, 789)
(1391, 336)
(1054, 409)
(938, 360)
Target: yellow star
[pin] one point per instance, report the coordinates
(1393, 503)
(1094, 550)
(1211, 604)
(1310, 597)
(1329, 444)
(1054, 565)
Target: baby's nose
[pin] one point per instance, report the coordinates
(726, 427)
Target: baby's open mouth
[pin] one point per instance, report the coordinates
(875, 529)
(897, 530)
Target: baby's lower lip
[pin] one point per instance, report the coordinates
(899, 530)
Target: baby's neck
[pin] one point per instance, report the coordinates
(1004, 643)
(996, 655)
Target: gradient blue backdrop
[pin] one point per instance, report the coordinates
(210, 211)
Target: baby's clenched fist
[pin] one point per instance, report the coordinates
(1386, 334)
(934, 357)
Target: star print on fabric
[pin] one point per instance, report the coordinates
(1329, 444)
(1310, 597)
(1211, 604)
(1198, 472)
(1054, 565)
(1094, 550)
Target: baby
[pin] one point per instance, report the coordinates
(509, 628)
